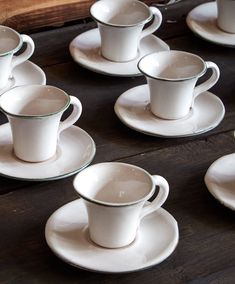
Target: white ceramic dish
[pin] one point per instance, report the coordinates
(85, 50)
(220, 180)
(202, 21)
(25, 74)
(76, 150)
(67, 236)
(132, 108)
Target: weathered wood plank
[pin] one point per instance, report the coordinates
(28, 15)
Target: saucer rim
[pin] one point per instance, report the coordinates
(190, 21)
(43, 79)
(103, 72)
(56, 177)
(150, 133)
(39, 69)
(210, 183)
(174, 244)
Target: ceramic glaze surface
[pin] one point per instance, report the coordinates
(75, 150)
(171, 77)
(123, 12)
(202, 20)
(220, 180)
(34, 113)
(115, 195)
(85, 50)
(114, 183)
(34, 101)
(132, 107)
(226, 15)
(67, 236)
(7, 44)
(10, 43)
(26, 73)
(120, 25)
(172, 65)
(10, 40)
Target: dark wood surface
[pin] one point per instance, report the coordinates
(206, 249)
(32, 15)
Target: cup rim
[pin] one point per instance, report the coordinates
(23, 116)
(143, 22)
(172, 79)
(15, 49)
(113, 204)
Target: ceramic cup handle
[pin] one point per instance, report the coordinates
(155, 24)
(159, 199)
(209, 82)
(74, 116)
(26, 54)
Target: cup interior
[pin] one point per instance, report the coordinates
(172, 65)
(114, 184)
(226, 18)
(34, 100)
(121, 12)
(9, 40)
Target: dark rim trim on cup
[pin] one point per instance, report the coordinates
(36, 116)
(169, 79)
(18, 47)
(125, 26)
(110, 204)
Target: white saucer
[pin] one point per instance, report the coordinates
(76, 150)
(85, 50)
(67, 235)
(202, 21)
(25, 74)
(220, 180)
(132, 108)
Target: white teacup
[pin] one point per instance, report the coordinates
(115, 196)
(121, 24)
(34, 113)
(10, 43)
(172, 76)
(226, 15)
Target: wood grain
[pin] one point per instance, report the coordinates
(27, 15)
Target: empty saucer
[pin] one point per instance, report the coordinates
(220, 180)
(85, 50)
(202, 21)
(76, 150)
(132, 108)
(25, 74)
(67, 235)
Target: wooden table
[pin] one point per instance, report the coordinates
(206, 249)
